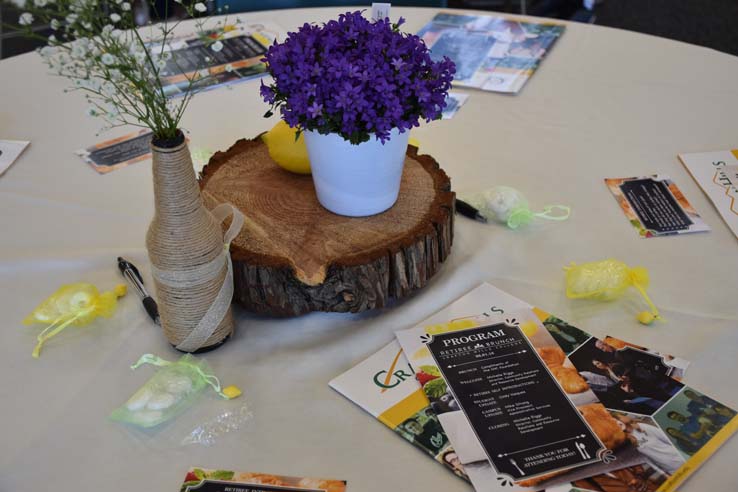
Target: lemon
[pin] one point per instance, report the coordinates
(289, 154)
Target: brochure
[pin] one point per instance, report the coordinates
(678, 429)
(384, 385)
(491, 53)
(244, 45)
(717, 175)
(202, 479)
(10, 150)
(655, 206)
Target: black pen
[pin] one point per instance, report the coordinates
(468, 211)
(130, 272)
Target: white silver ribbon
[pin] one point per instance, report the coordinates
(203, 273)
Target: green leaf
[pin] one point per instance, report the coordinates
(221, 475)
(430, 370)
(200, 474)
(436, 388)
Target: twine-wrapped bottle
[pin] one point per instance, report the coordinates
(187, 254)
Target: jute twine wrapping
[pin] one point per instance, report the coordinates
(185, 245)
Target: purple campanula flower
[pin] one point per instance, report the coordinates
(357, 78)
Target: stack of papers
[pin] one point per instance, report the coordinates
(512, 398)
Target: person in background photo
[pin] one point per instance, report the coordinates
(696, 429)
(652, 443)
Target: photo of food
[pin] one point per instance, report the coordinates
(628, 379)
(691, 419)
(641, 478)
(197, 477)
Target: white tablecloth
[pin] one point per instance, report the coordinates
(605, 103)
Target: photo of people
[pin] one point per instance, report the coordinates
(628, 379)
(567, 336)
(677, 366)
(691, 419)
(424, 430)
(449, 458)
(650, 440)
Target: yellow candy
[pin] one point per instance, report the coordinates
(232, 392)
(646, 318)
(120, 290)
(73, 304)
(289, 154)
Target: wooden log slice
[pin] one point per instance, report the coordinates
(293, 256)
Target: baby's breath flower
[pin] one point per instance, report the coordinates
(54, 24)
(40, 3)
(200, 7)
(216, 46)
(115, 17)
(229, 68)
(108, 59)
(125, 6)
(25, 19)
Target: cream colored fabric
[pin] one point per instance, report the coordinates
(605, 103)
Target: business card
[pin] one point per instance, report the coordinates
(655, 206)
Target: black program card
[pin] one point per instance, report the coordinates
(523, 420)
(655, 206)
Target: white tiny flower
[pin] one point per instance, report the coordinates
(48, 51)
(161, 64)
(87, 25)
(54, 24)
(40, 3)
(25, 19)
(116, 33)
(72, 18)
(167, 55)
(107, 29)
(200, 7)
(108, 59)
(115, 17)
(52, 39)
(216, 46)
(126, 6)
(229, 68)
(139, 56)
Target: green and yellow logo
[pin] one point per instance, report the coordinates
(389, 378)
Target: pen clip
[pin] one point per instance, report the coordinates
(124, 265)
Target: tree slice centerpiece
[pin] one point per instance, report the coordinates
(293, 256)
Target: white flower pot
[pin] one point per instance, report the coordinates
(356, 180)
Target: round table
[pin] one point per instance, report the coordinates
(604, 103)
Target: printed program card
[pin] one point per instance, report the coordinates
(525, 422)
(655, 206)
(119, 152)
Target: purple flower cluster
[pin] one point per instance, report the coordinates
(356, 78)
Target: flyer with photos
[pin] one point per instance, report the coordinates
(658, 449)
(204, 480)
(491, 53)
(655, 206)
